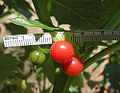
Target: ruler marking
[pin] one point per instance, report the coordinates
(25, 40)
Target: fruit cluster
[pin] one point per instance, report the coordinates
(63, 53)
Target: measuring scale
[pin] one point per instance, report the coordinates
(46, 38)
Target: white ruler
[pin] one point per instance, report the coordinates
(80, 37)
(26, 40)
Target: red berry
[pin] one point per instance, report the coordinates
(61, 51)
(73, 66)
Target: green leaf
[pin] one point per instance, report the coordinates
(7, 66)
(21, 86)
(92, 84)
(15, 29)
(80, 14)
(86, 75)
(115, 57)
(45, 50)
(74, 89)
(6, 13)
(42, 9)
(28, 89)
(76, 49)
(78, 81)
(111, 14)
(32, 23)
(112, 24)
(109, 11)
(85, 14)
(22, 7)
(87, 49)
(112, 74)
(2, 7)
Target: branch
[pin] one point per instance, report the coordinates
(104, 52)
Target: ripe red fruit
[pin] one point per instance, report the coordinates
(61, 51)
(73, 66)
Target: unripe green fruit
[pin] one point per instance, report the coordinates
(37, 57)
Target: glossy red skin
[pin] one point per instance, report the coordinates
(74, 66)
(61, 51)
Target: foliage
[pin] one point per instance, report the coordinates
(82, 15)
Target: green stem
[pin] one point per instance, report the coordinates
(87, 53)
(34, 69)
(44, 83)
(99, 55)
(65, 90)
(60, 82)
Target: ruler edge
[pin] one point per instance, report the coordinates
(73, 33)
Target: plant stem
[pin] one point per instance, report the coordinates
(34, 69)
(104, 52)
(44, 82)
(87, 53)
(60, 82)
(65, 90)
